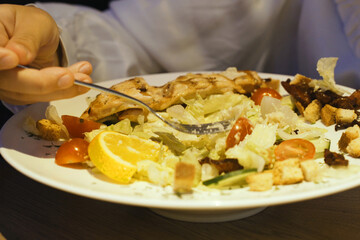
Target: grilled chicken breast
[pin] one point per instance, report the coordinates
(160, 98)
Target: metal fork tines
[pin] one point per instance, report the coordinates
(198, 129)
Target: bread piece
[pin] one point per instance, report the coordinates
(312, 111)
(328, 115)
(49, 130)
(260, 181)
(299, 107)
(354, 148)
(300, 79)
(345, 115)
(347, 136)
(287, 172)
(184, 177)
(310, 170)
(271, 83)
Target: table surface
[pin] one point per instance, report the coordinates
(31, 210)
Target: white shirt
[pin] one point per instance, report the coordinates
(136, 37)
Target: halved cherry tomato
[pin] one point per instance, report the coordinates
(78, 126)
(295, 148)
(259, 93)
(241, 128)
(73, 151)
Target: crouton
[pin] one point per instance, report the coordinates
(300, 79)
(49, 130)
(355, 96)
(260, 181)
(353, 132)
(184, 177)
(350, 141)
(291, 162)
(354, 148)
(328, 115)
(349, 134)
(310, 170)
(271, 83)
(300, 108)
(312, 111)
(288, 175)
(287, 172)
(345, 115)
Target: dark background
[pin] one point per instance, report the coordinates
(101, 4)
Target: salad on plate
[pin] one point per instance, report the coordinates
(275, 140)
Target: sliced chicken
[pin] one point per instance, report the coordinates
(160, 98)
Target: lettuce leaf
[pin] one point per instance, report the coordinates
(326, 69)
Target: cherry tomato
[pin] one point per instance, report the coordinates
(295, 148)
(78, 126)
(241, 128)
(73, 151)
(259, 93)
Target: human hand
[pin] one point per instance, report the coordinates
(29, 36)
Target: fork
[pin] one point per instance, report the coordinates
(197, 129)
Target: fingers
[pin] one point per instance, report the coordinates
(46, 80)
(8, 59)
(23, 99)
(30, 33)
(81, 67)
(35, 81)
(43, 85)
(17, 98)
(29, 36)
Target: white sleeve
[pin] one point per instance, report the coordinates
(88, 34)
(190, 35)
(349, 11)
(146, 36)
(141, 36)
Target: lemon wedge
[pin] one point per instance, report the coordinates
(116, 154)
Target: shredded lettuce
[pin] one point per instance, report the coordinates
(262, 137)
(326, 69)
(124, 126)
(246, 157)
(178, 112)
(302, 131)
(218, 150)
(218, 107)
(275, 112)
(154, 172)
(252, 152)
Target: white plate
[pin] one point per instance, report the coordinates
(35, 158)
